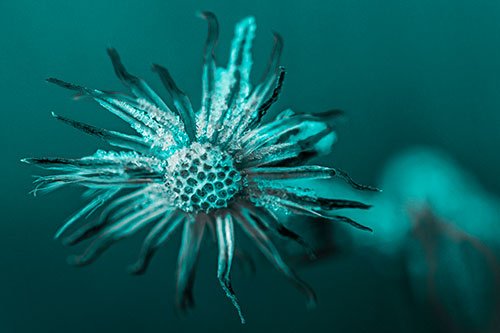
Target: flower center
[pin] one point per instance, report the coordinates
(201, 178)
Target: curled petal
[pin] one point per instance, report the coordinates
(297, 138)
(251, 108)
(114, 211)
(271, 222)
(181, 101)
(250, 226)
(273, 65)
(268, 103)
(208, 72)
(303, 172)
(118, 230)
(186, 262)
(225, 238)
(232, 84)
(137, 85)
(317, 212)
(156, 237)
(87, 210)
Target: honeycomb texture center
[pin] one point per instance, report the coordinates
(201, 178)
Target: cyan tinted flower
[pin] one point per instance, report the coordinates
(216, 168)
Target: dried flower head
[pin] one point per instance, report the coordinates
(215, 168)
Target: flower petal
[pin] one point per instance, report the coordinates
(232, 84)
(181, 101)
(293, 138)
(266, 174)
(158, 235)
(250, 226)
(138, 86)
(186, 262)
(154, 124)
(114, 138)
(118, 230)
(225, 240)
(208, 80)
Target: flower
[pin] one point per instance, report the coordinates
(216, 168)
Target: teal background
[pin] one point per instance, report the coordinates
(406, 72)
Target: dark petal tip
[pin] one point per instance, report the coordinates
(67, 241)
(372, 188)
(205, 14)
(56, 81)
(136, 269)
(277, 36)
(311, 301)
(65, 84)
(312, 254)
(76, 261)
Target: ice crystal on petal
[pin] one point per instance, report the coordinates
(217, 168)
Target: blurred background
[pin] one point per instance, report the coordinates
(419, 81)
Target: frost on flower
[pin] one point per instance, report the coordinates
(216, 168)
